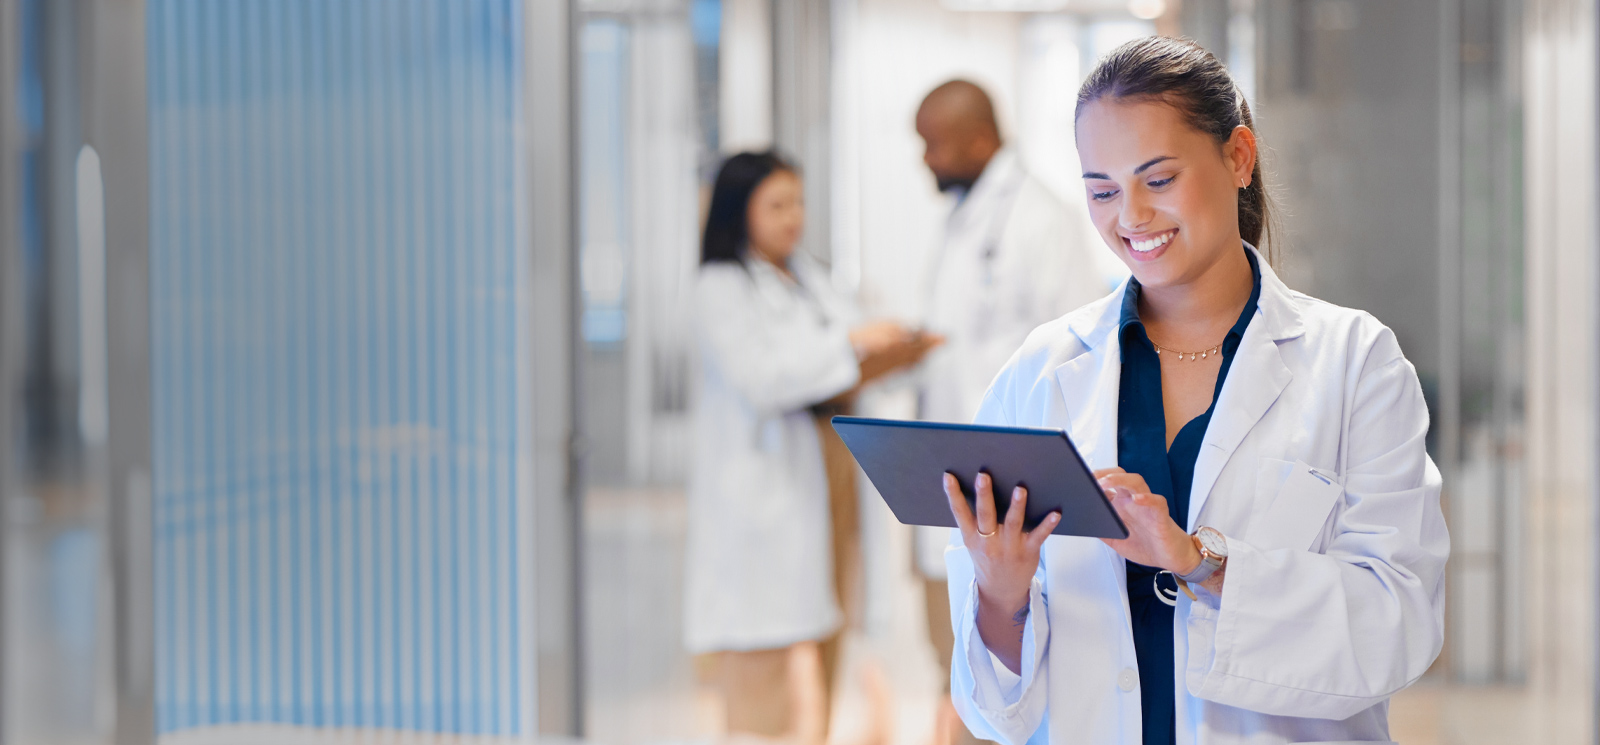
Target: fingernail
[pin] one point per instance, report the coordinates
(1054, 517)
(1016, 494)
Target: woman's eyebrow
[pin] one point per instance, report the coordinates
(1141, 169)
(1151, 162)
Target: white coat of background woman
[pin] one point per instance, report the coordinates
(1313, 543)
(775, 342)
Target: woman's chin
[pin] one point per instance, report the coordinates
(1155, 275)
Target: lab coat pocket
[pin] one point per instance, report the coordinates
(1302, 498)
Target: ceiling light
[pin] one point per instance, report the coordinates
(1147, 10)
(1011, 6)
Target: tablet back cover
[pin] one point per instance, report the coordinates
(906, 460)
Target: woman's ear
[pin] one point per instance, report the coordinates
(1240, 153)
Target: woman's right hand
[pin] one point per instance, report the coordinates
(877, 336)
(886, 347)
(1004, 558)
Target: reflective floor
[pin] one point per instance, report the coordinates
(1433, 714)
(644, 689)
(57, 682)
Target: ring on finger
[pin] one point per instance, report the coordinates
(989, 534)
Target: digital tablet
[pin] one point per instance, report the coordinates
(905, 461)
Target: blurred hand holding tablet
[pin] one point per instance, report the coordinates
(906, 461)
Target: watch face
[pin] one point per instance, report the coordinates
(1213, 541)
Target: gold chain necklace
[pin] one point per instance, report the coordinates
(1200, 355)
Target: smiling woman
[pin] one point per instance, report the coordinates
(1258, 444)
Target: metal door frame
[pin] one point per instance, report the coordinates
(115, 123)
(554, 520)
(10, 241)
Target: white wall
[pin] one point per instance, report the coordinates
(1560, 118)
(745, 67)
(665, 233)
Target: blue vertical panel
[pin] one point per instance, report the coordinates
(336, 285)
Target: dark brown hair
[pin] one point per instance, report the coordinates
(727, 222)
(1183, 74)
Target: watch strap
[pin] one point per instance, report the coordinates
(1209, 564)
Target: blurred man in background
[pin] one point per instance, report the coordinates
(1014, 256)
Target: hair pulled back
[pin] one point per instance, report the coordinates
(728, 219)
(1181, 73)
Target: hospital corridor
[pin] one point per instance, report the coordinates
(578, 372)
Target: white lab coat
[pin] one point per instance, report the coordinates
(1014, 256)
(760, 572)
(1334, 597)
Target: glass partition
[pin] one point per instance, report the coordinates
(337, 292)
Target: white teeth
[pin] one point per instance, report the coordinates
(1152, 244)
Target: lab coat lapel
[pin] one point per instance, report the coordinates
(1089, 384)
(1255, 380)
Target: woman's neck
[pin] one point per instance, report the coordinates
(782, 265)
(1204, 308)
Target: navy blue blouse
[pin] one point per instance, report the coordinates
(1142, 449)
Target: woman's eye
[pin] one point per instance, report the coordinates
(1101, 196)
(1161, 183)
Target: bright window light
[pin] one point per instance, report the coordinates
(1147, 10)
(1015, 6)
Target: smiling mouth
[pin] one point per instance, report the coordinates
(1150, 244)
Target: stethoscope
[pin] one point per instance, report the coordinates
(1170, 597)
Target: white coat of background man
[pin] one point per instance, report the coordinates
(1014, 256)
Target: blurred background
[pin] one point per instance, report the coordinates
(346, 368)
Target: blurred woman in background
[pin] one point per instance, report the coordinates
(772, 545)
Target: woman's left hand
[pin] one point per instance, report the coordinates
(1154, 540)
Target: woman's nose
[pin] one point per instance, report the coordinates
(1136, 211)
